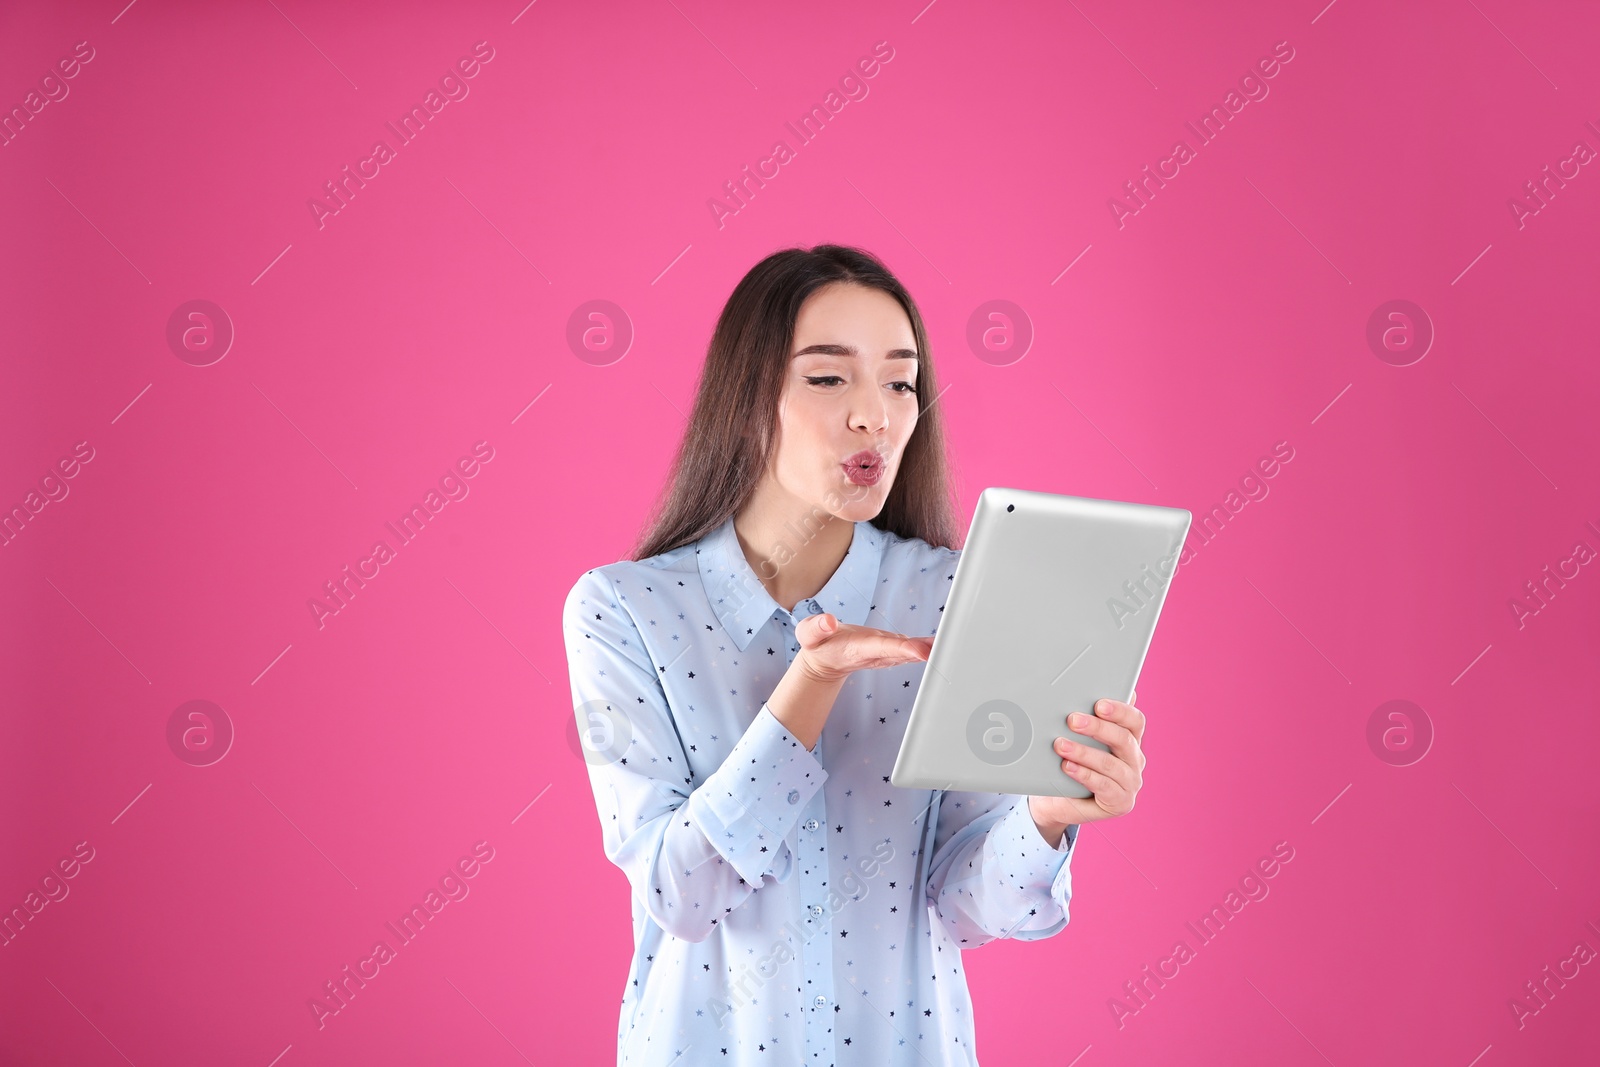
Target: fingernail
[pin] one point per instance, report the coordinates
(1078, 720)
(1103, 706)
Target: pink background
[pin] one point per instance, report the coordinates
(432, 712)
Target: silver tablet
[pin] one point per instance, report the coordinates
(1052, 606)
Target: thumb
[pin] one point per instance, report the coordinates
(821, 628)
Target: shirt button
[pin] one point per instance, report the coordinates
(812, 824)
(816, 909)
(816, 609)
(794, 796)
(820, 1001)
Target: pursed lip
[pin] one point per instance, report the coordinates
(865, 468)
(866, 458)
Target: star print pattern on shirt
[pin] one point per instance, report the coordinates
(790, 906)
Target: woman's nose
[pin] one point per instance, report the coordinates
(870, 414)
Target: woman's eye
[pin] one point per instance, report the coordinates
(829, 379)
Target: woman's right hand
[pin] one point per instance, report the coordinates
(830, 651)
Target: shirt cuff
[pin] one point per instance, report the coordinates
(747, 807)
(1031, 865)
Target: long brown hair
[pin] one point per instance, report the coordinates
(731, 431)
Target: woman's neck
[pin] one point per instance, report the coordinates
(793, 551)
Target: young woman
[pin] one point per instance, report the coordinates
(742, 684)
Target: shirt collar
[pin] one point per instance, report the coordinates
(743, 604)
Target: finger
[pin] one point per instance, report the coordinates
(1118, 737)
(871, 648)
(1122, 713)
(903, 649)
(1103, 762)
(898, 643)
(1107, 791)
(813, 629)
(924, 640)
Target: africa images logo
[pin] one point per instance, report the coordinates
(453, 87)
(853, 86)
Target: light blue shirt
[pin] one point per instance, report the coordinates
(789, 906)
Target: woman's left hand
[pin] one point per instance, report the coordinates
(1114, 777)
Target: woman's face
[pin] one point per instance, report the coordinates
(849, 401)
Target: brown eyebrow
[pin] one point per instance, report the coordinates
(847, 350)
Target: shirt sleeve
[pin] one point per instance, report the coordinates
(993, 874)
(692, 853)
